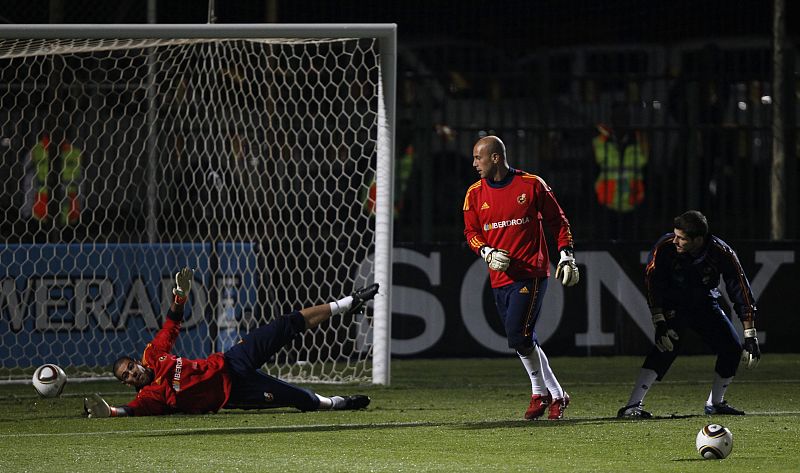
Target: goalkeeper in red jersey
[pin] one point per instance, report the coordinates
(505, 214)
(168, 384)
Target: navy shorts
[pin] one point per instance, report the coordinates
(252, 388)
(708, 320)
(519, 305)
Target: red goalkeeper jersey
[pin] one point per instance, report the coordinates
(180, 384)
(511, 215)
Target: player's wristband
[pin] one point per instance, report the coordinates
(750, 333)
(119, 411)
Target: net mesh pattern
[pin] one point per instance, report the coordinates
(250, 160)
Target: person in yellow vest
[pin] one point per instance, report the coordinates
(70, 181)
(37, 171)
(621, 153)
(402, 172)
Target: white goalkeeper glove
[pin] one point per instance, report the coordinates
(183, 283)
(567, 270)
(95, 407)
(498, 259)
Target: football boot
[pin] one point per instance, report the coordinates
(634, 410)
(558, 406)
(538, 405)
(722, 408)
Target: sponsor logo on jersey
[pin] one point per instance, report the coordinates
(176, 378)
(506, 223)
(522, 198)
(162, 357)
(484, 206)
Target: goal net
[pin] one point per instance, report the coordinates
(260, 156)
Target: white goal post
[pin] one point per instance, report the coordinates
(261, 155)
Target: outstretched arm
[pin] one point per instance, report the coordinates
(183, 284)
(166, 337)
(95, 407)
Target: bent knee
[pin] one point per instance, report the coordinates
(524, 351)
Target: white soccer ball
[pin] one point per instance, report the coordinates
(714, 442)
(49, 380)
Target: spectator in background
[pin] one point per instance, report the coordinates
(71, 171)
(35, 180)
(621, 153)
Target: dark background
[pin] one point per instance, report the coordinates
(693, 77)
(542, 75)
(519, 25)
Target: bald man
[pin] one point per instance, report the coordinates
(505, 214)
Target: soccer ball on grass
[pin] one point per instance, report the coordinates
(49, 380)
(714, 442)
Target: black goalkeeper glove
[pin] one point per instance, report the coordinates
(751, 353)
(363, 295)
(664, 333)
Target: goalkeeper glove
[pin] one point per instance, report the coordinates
(363, 295)
(664, 334)
(498, 259)
(183, 283)
(96, 407)
(751, 353)
(567, 270)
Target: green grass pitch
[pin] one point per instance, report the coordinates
(438, 415)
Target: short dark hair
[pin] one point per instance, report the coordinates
(117, 363)
(693, 223)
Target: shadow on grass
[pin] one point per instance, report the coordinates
(545, 423)
(477, 425)
(278, 429)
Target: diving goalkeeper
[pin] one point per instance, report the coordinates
(168, 384)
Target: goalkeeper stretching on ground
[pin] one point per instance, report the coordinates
(168, 384)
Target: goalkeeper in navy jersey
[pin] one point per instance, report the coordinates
(505, 214)
(682, 278)
(168, 384)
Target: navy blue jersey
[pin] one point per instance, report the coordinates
(682, 281)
